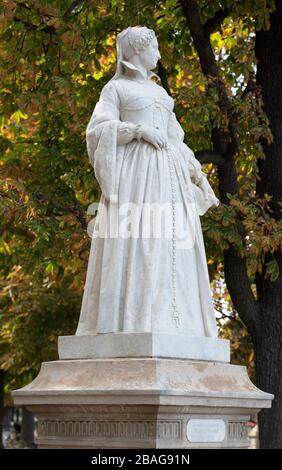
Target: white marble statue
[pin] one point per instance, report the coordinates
(145, 283)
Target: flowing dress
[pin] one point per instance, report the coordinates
(137, 282)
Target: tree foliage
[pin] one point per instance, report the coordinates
(55, 58)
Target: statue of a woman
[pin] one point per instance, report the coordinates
(145, 283)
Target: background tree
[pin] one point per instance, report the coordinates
(221, 63)
(260, 310)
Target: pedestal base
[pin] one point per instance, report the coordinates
(142, 403)
(144, 345)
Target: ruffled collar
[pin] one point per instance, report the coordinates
(137, 73)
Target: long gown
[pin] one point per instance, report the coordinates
(143, 283)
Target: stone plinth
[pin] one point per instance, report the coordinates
(142, 402)
(143, 345)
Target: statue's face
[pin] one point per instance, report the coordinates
(150, 56)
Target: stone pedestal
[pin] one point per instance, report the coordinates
(155, 397)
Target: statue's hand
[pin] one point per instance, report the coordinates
(152, 136)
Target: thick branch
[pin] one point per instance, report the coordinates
(212, 24)
(70, 11)
(209, 67)
(163, 76)
(240, 291)
(251, 87)
(23, 5)
(209, 156)
(33, 27)
(75, 210)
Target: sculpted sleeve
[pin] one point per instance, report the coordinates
(104, 133)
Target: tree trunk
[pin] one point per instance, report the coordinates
(268, 365)
(268, 339)
(1, 406)
(27, 431)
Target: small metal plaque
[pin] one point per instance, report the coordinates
(206, 430)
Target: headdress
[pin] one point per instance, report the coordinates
(131, 41)
(139, 38)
